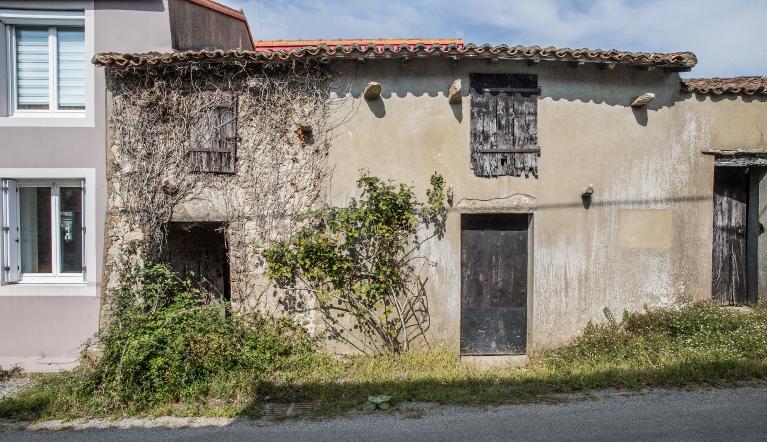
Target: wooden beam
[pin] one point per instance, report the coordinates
(532, 150)
(609, 65)
(533, 61)
(741, 161)
(493, 60)
(576, 64)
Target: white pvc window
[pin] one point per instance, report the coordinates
(43, 231)
(47, 68)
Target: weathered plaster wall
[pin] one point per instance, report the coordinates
(646, 238)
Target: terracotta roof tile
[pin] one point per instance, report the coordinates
(733, 85)
(674, 60)
(380, 43)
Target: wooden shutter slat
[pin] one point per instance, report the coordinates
(214, 141)
(504, 133)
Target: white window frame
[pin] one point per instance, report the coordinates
(56, 276)
(79, 13)
(81, 284)
(53, 77)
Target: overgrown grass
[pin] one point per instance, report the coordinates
(699, 344)
(6, 374)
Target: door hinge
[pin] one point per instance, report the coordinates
(6, 229)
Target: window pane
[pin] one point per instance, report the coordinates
(71, 226)
(32, 77)
(35, 229)
(71, 67)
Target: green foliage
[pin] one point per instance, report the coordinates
(168, 342)
(699, 344)
(697, 336)
(360, 260)
(9, 373)
(379, 401)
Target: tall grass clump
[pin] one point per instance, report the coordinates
(699, 342)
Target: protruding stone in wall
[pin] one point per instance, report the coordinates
(643, 100)
(454, 93)
(372, 90)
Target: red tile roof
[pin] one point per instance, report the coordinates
(379, 43)
(673, 61)
(733, 85)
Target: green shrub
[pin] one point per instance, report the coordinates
(362, 262)
(167, 342)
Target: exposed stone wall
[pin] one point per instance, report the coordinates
(284, 132)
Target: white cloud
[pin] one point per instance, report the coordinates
(728, 37)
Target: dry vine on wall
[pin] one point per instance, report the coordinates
(283, 121)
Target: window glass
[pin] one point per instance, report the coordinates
(71, 229)
(32, 70)
(35, 229)
(71, 68)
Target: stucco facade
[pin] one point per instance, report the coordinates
(643, 238)
(646, 237)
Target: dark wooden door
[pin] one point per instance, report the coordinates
(731, 185)
(494, 284)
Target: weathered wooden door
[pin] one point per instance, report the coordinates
(731, 186)
(494, 284)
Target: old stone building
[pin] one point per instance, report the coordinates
(578, 179)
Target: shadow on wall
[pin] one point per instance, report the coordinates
(559, 81)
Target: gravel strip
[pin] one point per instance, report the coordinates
(12, 386)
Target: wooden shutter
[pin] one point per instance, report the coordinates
(504, 126)
(10, 243)
(214, 141)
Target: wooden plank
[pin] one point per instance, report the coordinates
(504, 124)
(729, 242)
(745, 160)
(494, 284)
(532, 150)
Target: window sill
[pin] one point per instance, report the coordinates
(50, 289)
(48, 119)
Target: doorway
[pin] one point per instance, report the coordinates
(494, 284)
(735, 236)
(198, 251)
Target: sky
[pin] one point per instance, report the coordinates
(728, 36)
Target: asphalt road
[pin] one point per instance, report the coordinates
(716, 414)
